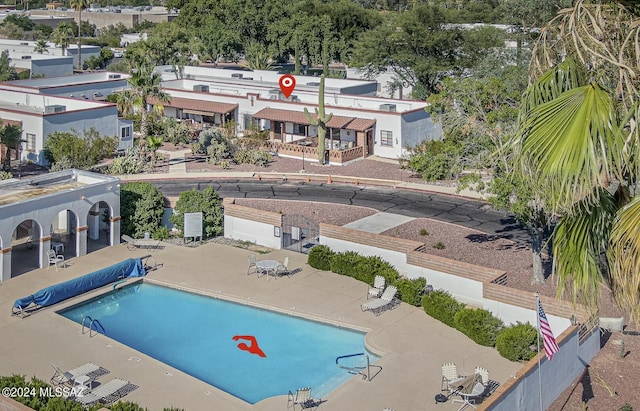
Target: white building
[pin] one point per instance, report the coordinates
(68, 211)
(361, 125)
(18, 49)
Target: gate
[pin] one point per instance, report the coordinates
(299, 233)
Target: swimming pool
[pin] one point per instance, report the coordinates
(195, 334)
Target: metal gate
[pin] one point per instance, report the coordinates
(299, 233)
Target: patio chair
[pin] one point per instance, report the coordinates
(106, 393)
(449, 374)
(378, 287)
(89, 369)
(144, 243)
(252, 264)
(55, 259)
(379, 305)
(302, 397)
(484, 375)
(283, 269)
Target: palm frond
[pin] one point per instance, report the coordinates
(578, 242)
(624, 257)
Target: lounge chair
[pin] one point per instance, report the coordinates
(484, 375)
(379, 305)
(283, 269)
(55, 259)
(89, 369)
(378, 287)
(449, 374)
(106, 393)
(133, 244)
(302, 397)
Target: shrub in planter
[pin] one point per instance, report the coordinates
(441, 306)
(320, 257)
(411, 291)
(479, 325)
(515, 341)
(346, 263)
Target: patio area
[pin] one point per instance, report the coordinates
(412, 344)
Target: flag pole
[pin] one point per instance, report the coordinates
(538, 339)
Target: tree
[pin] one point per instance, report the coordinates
(145, 87)
(12, 31)
(7, 70)
(62, 36)
(141, 208)
(41, 47)
(154, 143)
(579, 133)
(207, 202)
(79, 5)
(10, 137)
(78, 151)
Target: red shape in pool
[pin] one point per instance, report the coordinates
(253, 348)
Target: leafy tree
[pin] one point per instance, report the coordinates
(579, 135)
(141, 208)
(81, 152)
(208, 202)
(7, 70)
(10, 137)
(62, 36)
(12, 31)
(79, 5)
(41, 47)
(21, 21)
(42, 31)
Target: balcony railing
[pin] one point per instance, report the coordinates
(311, 153)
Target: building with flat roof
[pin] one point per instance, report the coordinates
(95, 85)
(362, 124)
(104, 17)
(24, 50)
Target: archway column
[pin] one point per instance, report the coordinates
(45, 246)
(81, 240)
(93, 222)
(5, 263)
(114, 230)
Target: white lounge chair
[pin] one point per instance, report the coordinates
(378, 305)
(89, 369)
(378, 287)
(106, 393)
(145, 243)
(484, 375)
(55, 259)
(302, 397)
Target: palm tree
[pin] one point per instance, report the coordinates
(579, 132)
(62, 36)
(41, 47)
(79, 5)
(154, 143)
(145, 86)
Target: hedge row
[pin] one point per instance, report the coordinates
(513, 342)
(365, 269)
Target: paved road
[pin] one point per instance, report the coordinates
(465, 212)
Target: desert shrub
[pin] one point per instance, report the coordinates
(423, 231)
(197, 148)
(411, 291)
(162, 233)
(320, 257)
(441, 306)
(126, 406)
(515, 341)
(218, 150)
(479, 325)
(252, 156)
(5, 175)
(626, 407)
(439, 245)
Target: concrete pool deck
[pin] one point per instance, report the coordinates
(413, 345)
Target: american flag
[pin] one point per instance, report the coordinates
(549, 341)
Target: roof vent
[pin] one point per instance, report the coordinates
(201, 88)
(237, 75)
(314, 84)
(26, 57)
(114, 76)
(55, 108)
(388, 107)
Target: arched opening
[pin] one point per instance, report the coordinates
(99, 227)
(25, 247)
(63, 234)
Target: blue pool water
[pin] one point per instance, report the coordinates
(194, 334)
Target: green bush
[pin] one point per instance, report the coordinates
(5, 175)
(441, 306)
(345, 263)
(515, 341)
(126, 406)
(208, 202)
(320, 257)
(141, 208)
(162, 233)
(479, 325)
(411, 291)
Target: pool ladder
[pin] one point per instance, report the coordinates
(359, 370)
(93, 325)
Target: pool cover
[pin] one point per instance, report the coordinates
(132, 267)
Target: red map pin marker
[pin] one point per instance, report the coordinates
(287, 84)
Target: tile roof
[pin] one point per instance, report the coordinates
(298, 117)
(198, 105)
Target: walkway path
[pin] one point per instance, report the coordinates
(177, 163)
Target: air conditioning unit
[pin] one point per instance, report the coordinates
(314, 84)
(55, 108)
(295, 99)
(388, 107)
(275, 94)
(114, 76)
(189, 76)
(24, 44)
(247, 78)
(26, 57)
(237, 75)
(201, 88)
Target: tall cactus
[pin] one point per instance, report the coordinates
(320, 120)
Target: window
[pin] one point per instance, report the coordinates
(300, 129)
(386, 138)
(31, 142)
(125, 133)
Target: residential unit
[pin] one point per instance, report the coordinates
(53, 62)
(361, 125)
